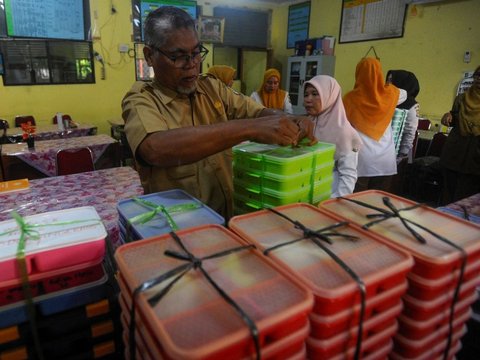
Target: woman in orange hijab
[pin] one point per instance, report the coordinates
(369, 108)
(223, 73)
(270, 95)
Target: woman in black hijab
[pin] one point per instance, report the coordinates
(407, 81)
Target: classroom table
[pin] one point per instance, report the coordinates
(20, 162)
(101, 189)
(50, 132)
(468, 208)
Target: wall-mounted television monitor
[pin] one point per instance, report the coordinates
(141, 8)
(46, 19)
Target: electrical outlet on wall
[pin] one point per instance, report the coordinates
(466, 57)
(123, 48)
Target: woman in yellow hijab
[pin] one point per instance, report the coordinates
(460, 157)
(223, 73)
(369, 108)
(270, 95)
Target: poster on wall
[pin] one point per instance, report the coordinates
(364, 20)
(298, 21)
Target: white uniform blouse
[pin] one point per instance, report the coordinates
(411, 124)
(345, 175)
(287, 105)
(377, 158)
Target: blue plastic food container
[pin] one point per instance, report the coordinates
(184, 211)
(55, 302)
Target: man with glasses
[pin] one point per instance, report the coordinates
(178, 125)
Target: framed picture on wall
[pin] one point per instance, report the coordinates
(210, 29)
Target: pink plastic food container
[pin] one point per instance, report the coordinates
(66, 237)
(381, 267)
(193, 321)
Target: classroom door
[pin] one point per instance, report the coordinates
(254, 64)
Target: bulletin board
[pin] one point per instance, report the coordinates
(298, 22)
(364, 20)
(46, 19)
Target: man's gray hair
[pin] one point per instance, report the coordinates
(161, 22)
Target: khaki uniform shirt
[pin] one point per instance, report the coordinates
(150, 107)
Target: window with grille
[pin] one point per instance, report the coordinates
(37, 62)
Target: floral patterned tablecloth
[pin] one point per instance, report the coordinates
(468, 208)
(102, 189)
(43, 156)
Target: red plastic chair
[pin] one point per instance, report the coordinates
(73, 161)
(424, 124)
(22, 119)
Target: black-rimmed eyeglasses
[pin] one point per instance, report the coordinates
(181, 61)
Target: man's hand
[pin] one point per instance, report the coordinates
(306, 128)
(283, 130)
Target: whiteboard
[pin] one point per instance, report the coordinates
(364, 20)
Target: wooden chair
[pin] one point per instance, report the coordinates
(415, 143)
(427, 173)
(424, 124)
(125, 150)
(64, 117)
(22, 119)
(73, 161)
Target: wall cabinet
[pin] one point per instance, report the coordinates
(303, 68)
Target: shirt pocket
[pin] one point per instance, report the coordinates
(182, 171)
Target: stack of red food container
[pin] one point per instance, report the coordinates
(204, 293)
(442, 283)
(344, 325)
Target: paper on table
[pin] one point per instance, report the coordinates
(14, 185)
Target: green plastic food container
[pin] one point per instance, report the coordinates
(282, 160)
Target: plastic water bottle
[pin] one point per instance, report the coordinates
(60, 122)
